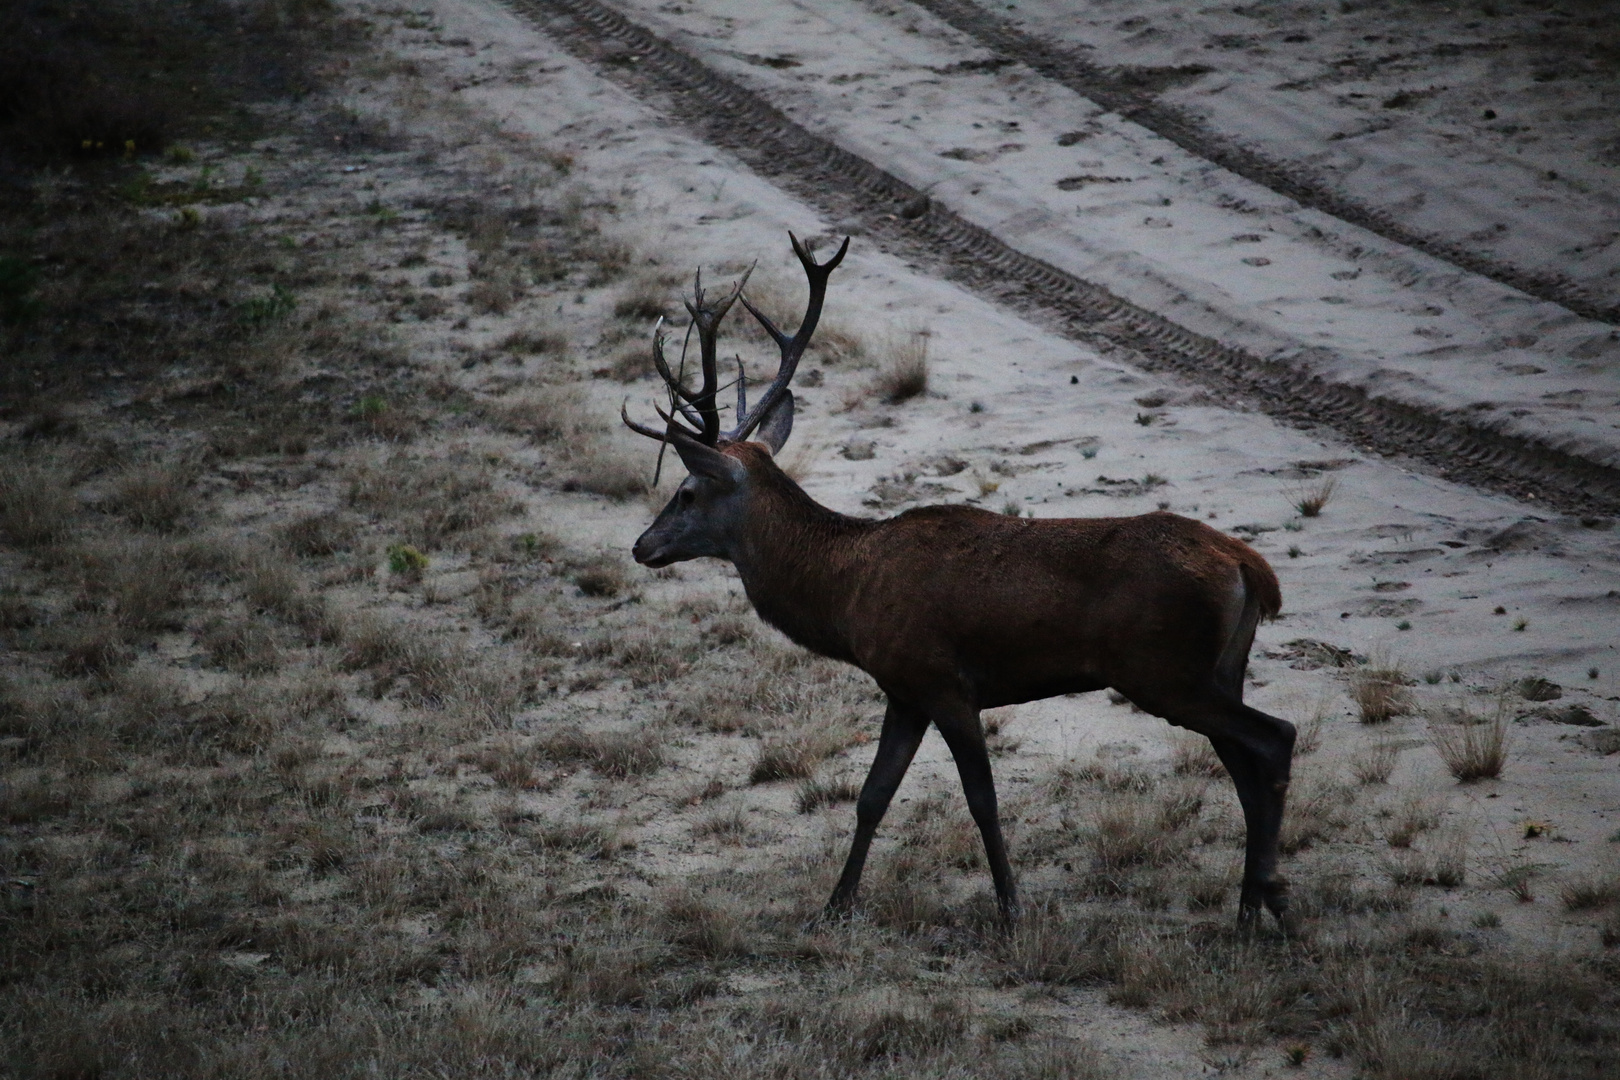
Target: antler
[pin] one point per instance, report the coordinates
(792, 347)
(699, 409)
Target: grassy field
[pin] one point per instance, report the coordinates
(321, 754)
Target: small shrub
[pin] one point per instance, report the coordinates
(644, 298)
(727, 826)
(1473, 750)
(629, 364)
(793, 757)
(1379, 693)
(242, 645)
(1050, 946)
(1374, 764)
(599, 470)
(36, 505)
(614, 754)
(1312, 501)
(602, 576)
(543, 415)
(624, 754)
(1194, 755)
(93, 648)
(406, 561)
(905, 374)
(532, 342)
(157, 497)
(319, 534)
(1584, 894)
(1308, 735)
(814, 794)
(1415, 816)
(1127, 833)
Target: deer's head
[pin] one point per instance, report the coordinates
(705, 517)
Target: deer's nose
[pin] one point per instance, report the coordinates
(644, 549)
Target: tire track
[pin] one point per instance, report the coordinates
(1116, 94)
(859, 195)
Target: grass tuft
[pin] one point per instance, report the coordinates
(1312, 501)
(1380, 693)
(904, 374)
(1474, 749)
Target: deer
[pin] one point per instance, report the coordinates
(954, 609)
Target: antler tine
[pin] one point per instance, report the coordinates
(640, 429)
(707, 319)
(661, 363)
(742, 387)
(792, 348)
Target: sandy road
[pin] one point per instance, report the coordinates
(1398, 351)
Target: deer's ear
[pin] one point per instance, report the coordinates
(708, 463)
(774, 430)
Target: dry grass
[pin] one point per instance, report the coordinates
(157, 496)
(601, 468)
(543, 415)
(1310, 502)
(1379, 692)
(1375, 763)
(1415, 815)
(36, 505)
(432, 499)
(1473, 749)
(618, 755)
(1194, 755)
(795, 756)
(903, 374)
(1589, 893)
(815, 794)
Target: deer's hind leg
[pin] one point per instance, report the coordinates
(963, 733)
(903, 729)
(1257, 750)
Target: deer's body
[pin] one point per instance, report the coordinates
(952, 609)
(1002, 609)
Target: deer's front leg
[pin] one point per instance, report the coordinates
(903, 729)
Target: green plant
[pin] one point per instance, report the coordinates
(262, 310)
(1295, 551)
(406, 561)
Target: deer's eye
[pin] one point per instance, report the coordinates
(685, 496)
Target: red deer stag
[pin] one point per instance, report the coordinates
(953, 609)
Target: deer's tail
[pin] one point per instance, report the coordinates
(1262, 598)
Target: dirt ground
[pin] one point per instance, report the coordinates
(339, 735)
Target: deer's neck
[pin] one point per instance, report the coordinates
(799, 563)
